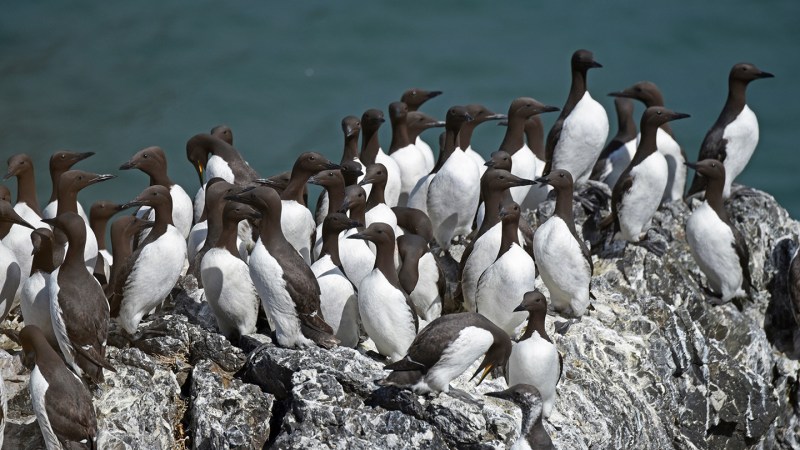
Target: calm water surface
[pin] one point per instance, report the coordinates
(114, 78)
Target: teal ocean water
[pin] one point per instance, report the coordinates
(114, 77)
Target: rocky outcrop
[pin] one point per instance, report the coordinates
(654, 365)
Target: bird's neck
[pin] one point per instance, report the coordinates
(350, 151)
(400, 137)
(376, 195)
(297, 183)
(227, 237)
(515, 133)
(26, 190)
(369, 147)
(330, 245)
(509, 237)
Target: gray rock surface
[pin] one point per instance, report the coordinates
(226, 413)
(654, 365)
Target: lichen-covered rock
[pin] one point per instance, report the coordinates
(323, 415)
(226, 413)
(653, 365)
(139, 406)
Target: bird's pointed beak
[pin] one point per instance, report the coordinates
(128, 165)
(199, 168)
(765, 75)
(550, 108)
(489, 163)
(542, 180)
(691, 165)
(498, 394)
(497, 117)
(595, 64)
(354, 224)
(332, 166)
(520, 308)
(678, 116)
(362, 236)
(100, 178)
(486, 371)
(433, 94)
(503, 123)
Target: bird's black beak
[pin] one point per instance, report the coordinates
(497, 117)
(128, 165)
(433, 94)
(595, 64)
(100, 178)
(691, 165)
(499, 394)
(549, 108)
(542, 180)
(332, 166)
(765, 75)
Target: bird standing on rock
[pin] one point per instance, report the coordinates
(338, 300)
(563, 260)
(578, 135)
(716, 244)
(447, 347)
(534, 359)
(78, 306)
(649, 94)
(638, 192)
(99, 215)
(62, 404)
(454, 191)
(386, 311)
(288, 289)
(226, 278)
(508, 278)
(734, 136)
(297, 222)
(421, 277)
(151, 272)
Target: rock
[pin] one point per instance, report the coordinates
(324, 415)
(226, 413)
(653, 365)
(139, 406)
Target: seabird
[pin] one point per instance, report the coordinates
(420, 276)
(357, 258)
(734, 136)
(288, 289)
(639, 190)
(70, 183)
(35, 294)
(447, 347)
(508, 278)
(150, 273)
(377, 209)
(649, 94)
(372, 153)
(153, 162)
(414, 98)
(408, 158)
(122, 232)
(61, 162)
(455, 189)
(99, 215)
(618, 153)
(12, 275)
(27, 206)
(534, 359)
(578, 135)
(338, 300)
(563, 260)
(78, 307)
(226, 278)
(386, 311)
(482, 250)
(62, 404)
(417, 123)
(532, 434)
(716, 244)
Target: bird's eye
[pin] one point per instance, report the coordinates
(311, 158)
(658, 112)
(413, 92)
(80, 178)
(502, 177)
(63, 156)
(561, 175)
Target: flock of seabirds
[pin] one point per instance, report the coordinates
(362, 263)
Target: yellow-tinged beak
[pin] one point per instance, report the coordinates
(485, 372)
(200, 172)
